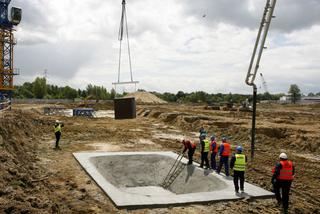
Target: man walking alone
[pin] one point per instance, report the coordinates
(283, 175)
(57, 131)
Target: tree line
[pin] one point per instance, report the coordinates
(203, 97)
(41, 90)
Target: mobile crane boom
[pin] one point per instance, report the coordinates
(255, 62)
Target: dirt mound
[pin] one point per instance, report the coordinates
(146, 98)
(20, 191)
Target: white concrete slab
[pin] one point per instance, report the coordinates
(135, 197)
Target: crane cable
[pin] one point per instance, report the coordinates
(124, 24)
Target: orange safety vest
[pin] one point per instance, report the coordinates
(193, 145)
(226, 149)
(216, 148)
(286, 171)
(187, 143)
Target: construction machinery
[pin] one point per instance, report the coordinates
(6, 49)
(255, 61)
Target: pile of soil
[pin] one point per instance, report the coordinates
(146, 98)
(21, 190)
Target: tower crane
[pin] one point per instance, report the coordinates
(255, 62)
(7, 42)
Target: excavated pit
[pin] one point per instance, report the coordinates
(133, 179)
(150, 170)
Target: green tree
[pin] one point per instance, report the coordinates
(40, 87)
(180, 95)
(69, 93)
(112, 93)
(295, 93)
(97, 92)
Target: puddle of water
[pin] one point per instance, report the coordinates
(175, 130)
(103, 113)
(145, 141)
(104, 147)
(315, 158)
(156, 124)
(196, 134)
(136, 130)
(67, 112)
(168, 136)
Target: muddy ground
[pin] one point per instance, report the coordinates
(35, 178)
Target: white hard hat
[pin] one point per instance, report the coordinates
(57, 121)
(283, 156)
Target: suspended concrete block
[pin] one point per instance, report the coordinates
(125, 108)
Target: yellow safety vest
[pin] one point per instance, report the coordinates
(206, 146)
(240, 163)
(57, 128)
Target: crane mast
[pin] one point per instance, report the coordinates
(255, 62)
(7, 43)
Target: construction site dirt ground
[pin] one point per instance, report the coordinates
(35, 178)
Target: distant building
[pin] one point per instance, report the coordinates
(310, 100)
(285, 99)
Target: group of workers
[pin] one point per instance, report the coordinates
(283, 172)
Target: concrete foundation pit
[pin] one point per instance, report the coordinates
(133, 180)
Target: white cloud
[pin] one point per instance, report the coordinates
(173, 47)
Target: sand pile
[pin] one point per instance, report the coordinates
(146, 98)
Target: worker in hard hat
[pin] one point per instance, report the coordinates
(214, 151)
(202, 131)
(57, 131)
(283, 175)
(224, 152)
(191, 147)
(205, 148)
(238, 164)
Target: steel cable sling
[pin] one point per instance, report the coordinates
(124, 24)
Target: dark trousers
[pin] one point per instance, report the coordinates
(190, 155)
(224, 160)
(204, 158)
(284, 186)
(213, 160)
(58, 135)
(238, 175)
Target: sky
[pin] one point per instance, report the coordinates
(176, 45)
